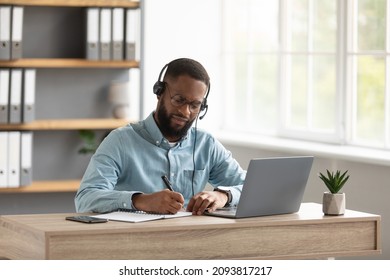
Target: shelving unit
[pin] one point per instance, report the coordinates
(45, 187)
(67, 63)
(66, 66)
(69, 124)
(74, 3)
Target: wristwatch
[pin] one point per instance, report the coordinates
(227, 192)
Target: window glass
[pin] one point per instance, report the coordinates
(324, 25)
(298, 98)
(370, 117)
(324, 93)
(298, 17)
(371, 24)
(265, 94)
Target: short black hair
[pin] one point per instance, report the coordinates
(187, 66)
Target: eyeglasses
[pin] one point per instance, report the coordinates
(178, 101)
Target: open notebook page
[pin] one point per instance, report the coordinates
(139, 216)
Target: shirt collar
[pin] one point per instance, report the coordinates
(156, 135)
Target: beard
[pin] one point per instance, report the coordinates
(167, 129)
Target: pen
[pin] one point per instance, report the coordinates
(167, 183)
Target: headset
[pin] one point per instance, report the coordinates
(159, 87)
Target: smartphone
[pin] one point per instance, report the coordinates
(86, 219)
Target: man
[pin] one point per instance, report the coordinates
(127, 169)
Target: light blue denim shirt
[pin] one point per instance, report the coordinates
(133, 158)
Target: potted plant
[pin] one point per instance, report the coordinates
(333, 202)
(89, 142)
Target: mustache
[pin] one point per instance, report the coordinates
(180, 116)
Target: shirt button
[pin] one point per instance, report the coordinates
(157, 142)
(173, 174)
(124, 205)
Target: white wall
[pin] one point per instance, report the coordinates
(182, 28)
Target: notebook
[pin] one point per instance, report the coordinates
(272, 186)
(132, 216)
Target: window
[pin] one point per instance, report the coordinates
(308, 69)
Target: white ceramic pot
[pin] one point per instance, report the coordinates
(333, 204)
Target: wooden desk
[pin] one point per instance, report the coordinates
(304, 235)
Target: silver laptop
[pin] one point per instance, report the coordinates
(272, 186)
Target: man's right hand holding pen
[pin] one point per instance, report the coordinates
(165, 202)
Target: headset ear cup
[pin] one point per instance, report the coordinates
(159, 88)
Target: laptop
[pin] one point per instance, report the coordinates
(272, 186)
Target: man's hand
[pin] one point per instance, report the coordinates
(210, 200)
(164, 202)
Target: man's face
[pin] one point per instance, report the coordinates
(179, 105)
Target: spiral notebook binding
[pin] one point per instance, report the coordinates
(139, 212)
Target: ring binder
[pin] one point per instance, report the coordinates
(5, 32)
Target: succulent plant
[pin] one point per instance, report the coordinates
(334, 181)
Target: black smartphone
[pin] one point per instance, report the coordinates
(86, 219)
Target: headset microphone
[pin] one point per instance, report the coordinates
(205, 108)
